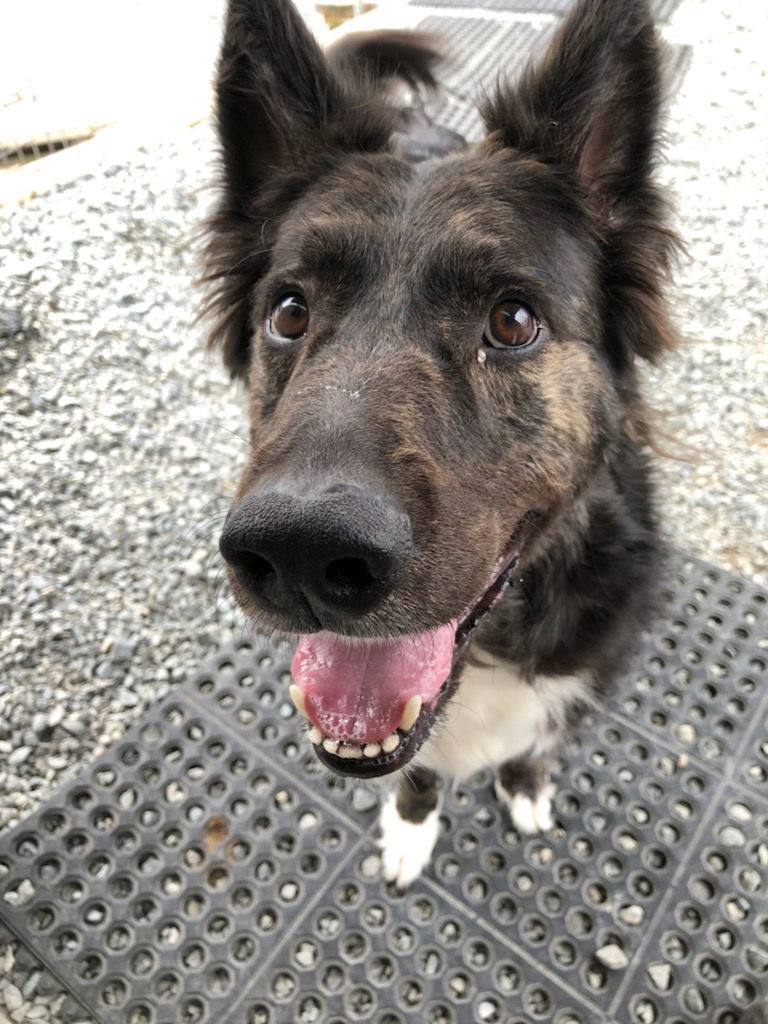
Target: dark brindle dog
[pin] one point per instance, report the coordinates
(448, 497)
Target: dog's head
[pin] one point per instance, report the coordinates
(440, 356)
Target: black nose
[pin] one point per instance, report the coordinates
(339, 549)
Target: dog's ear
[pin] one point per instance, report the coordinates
(283, 115)
(592, 108)
(592, 104)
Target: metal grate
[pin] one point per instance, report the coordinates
(208, 870)
(664, 9)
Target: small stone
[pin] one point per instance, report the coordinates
(363, 799)
(13, 997)
(613, 957)
(686, 733)
(21, 895)
(305, 955)
(21, 1014)
(661, 976)
(371, 866)
(633, 914)
(73, 725)
(19, 756)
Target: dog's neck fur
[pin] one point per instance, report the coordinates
(596, 575)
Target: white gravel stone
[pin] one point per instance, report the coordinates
(613, 957)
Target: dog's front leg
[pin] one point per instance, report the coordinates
(523, 786)
(410, 822)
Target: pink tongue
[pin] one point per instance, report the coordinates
(356, 690)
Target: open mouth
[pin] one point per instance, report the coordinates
(372, 703)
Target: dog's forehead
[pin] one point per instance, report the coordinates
(487, 212)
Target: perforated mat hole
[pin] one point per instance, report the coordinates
(259, 1013)
(504, 909)
(140, 1013)
(668, 833)
(114, 992)
(219, 980)
(121, 887)
(724, 938)
(439, 1013)
(89, 966)
(66, 942)
(381, 971)
(333, 977)
(218, 927)
(41, 918)
(193, 1010)
(146, 909)
(359, 1002)
(242, 898)
(149, 817)
(193, 858)
(71, 890)
(243, 948)
(119, 937)
(756, 957)
(694, 1000)
(49, 869)
(534, 930)
(169, 933)
(95, 914)
(126, 841)
(193, 956)
(194, 904)
(267, 920)
(217, 878)
(402, 940)
(466, 843)
(579, 923)
(654, 858)
(567, 874)
(644, 1010)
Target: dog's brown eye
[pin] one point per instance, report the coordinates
(510, 324)
(290, 318)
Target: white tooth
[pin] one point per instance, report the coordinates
(330, 745)
(297, 696)
(372, 749)
(390, 743)
(410, 714)
(315, 736)
(350, 750)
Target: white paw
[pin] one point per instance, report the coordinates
(406, 848)
(530, 816)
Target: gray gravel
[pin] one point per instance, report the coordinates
(120, 440)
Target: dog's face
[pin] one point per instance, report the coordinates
(439, 357)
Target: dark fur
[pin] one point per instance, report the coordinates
(400, 265)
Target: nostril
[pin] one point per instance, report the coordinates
(348, 577)
(257, 569)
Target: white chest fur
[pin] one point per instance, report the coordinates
(496, 716)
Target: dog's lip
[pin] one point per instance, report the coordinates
(410, 743)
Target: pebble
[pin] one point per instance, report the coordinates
(612, 956)
(18, 756)
(13, 997)
(661, 976)
(631, 915)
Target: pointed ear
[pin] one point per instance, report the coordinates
(592, 105)
(592, 108)
(283, 115)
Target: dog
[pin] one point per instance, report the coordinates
(448, 498)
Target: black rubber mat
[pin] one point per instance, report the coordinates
(664, 9)
(207, 870)
(478, 49)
